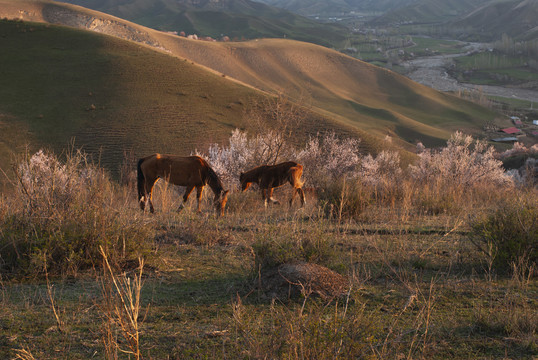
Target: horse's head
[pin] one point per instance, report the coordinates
(220, 202)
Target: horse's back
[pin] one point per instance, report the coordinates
(279, 174)
(179, 170)
(175, 160)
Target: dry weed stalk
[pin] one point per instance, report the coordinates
(23, 354)
(122, 308)
(50, 293)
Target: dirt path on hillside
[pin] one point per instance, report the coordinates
(431, 71)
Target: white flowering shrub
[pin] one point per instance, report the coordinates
(327, 158)
(522, 164)
(463, 162)
(383, 170)
(519, 149)
(47, 185)
(244, 153)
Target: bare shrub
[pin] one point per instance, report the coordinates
(121, 309)
(509, 233)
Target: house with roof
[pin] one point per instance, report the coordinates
(511, 130)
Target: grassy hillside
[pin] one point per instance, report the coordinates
(240, 19)
(111, 95)
(516, 18)
(428, 11)
(355, 93)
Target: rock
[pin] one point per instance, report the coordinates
(294, 279)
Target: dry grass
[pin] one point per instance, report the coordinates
(418, 289)
(404, 280)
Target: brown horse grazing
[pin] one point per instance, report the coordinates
(191, 171)
(272, 176)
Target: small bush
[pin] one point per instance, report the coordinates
(345, 199)
(510, 232)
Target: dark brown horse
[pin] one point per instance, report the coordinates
(191, 172)
(272, 176)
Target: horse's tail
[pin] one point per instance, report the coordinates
(140, 179)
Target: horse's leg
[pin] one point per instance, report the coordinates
(293, 194)
(301, 196)
(199, 192)
(148, 188)
(297, 189)
(188, 191)
(264, 197)
(270, 195)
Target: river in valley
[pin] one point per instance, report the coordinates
(431, 71)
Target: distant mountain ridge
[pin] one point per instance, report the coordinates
(516, 18)
(240, 19)
(315, 7)
(429, 11)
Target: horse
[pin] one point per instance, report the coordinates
(272, 176)
(191, 172)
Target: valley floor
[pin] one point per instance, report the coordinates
(431, 71)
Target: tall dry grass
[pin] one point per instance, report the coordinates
(370, 226)
(120, 306)
(62, 211)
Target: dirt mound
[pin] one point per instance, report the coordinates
(295, 279)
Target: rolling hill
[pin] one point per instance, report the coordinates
(428, 12)
(237, 19)
(160, 92)
(516, 18)
(110, 95)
